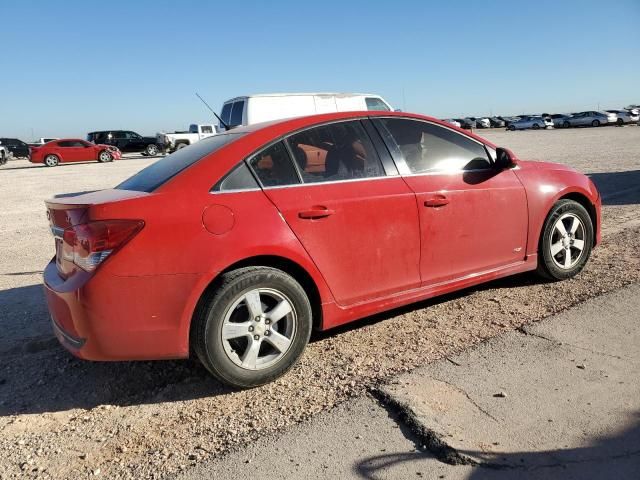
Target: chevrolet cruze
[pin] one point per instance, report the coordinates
(236, 247)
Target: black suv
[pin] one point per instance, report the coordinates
(126, 141)
(15, 146)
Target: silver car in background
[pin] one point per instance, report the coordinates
(451, 121)
(533, 122)
(481, 122)
(626, 116)
(559, 120)
(591, 119)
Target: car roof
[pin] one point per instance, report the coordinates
(286, 126)
(303, 94)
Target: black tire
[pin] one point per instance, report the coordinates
(595, 123)
(620, 122)
(151, 150)
(536, 126)
(181, 145)
(566, 124)
(206, 329)
(547, 267)
(511, 128)
(105, 156)
(51, 160)
(2, 158)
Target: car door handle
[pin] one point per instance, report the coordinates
(316, 212)
(436, 201)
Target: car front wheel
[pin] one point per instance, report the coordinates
(595, 123)
(535, 126)
(151, 150)
(105, 156)
(51, 160)
(566, 242)
(252, 326)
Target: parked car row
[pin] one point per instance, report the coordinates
(590, 118)
(107, 145)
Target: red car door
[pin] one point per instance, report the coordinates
(473, 217)
(358, 225)
(72, 151)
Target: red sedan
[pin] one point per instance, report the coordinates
(238, 246)
(72, 150)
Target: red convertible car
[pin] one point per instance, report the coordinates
(72, 150)
(236, 247)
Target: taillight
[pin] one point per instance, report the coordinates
(89, 244)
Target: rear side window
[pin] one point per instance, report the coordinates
(66, 143)
(376, 104)
(274, 167)
(334, 152)
(161, 171)
(240, 178)
(427, 147)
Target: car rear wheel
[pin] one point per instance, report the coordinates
(595, 123)
(151, 150)
(536, 126)
(566, 124)
(181, 145)
(252, 326)
(620, 121)
(105, 156)
(51, 160)
(566, 242)
(511, 127)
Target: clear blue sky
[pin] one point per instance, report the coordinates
(76, 66)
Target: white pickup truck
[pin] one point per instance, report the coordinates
(170, 142)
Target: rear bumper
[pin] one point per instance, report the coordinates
(105, 317)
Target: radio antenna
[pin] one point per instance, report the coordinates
(226, 127)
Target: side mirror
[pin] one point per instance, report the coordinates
(505, 158)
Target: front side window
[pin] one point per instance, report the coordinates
(376, 104)
(274, 167)
(334, 152)
(225, 115)
(427, 147)
(236, 114)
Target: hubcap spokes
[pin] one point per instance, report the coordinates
(567, 241)
(258, 329)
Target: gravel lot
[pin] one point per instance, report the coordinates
(65, 418)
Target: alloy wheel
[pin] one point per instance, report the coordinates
(567, 241)
(258, 328)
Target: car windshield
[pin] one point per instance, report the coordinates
(160, 172)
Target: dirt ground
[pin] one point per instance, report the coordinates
(65, 418)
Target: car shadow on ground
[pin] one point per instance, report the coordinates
(617, 456)
(38, 375)
(618, 188)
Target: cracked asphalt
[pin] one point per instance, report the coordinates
(65, 418)
(559, 399)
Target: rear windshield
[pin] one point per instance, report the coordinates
(158, 173)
